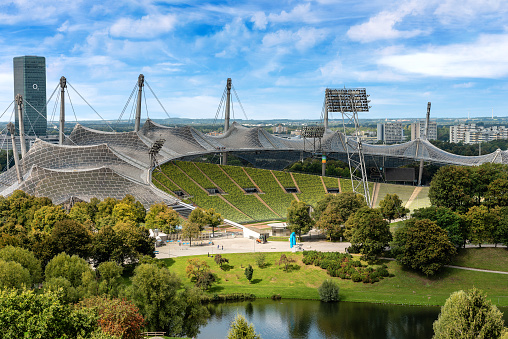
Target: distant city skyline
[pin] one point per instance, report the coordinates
(280, 55)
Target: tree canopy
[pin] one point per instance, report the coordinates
(468, 315)
(298, 218)
(368, 232)
(423, 246)
(391, 207)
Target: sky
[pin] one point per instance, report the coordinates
(281, 55)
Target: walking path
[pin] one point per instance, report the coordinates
(463, 268)
(243, 245)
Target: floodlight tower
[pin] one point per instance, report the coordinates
(63, 85)
(227, 116)
(348, 102)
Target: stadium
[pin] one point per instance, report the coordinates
(154, 163)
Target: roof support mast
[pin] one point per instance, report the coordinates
(22, 140)
(427, 120)
(12, 131)
(63, 85)
(141, 83)
(227, 115)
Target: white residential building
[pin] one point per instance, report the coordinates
(418, 130)
(390, 132)
(472, 134)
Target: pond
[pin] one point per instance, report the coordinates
(310, 319)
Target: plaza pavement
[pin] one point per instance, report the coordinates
(243, 245)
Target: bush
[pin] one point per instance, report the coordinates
(328, 291)
(260, 260)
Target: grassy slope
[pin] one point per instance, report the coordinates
(404, 192)
(405, 288)
(495, 259)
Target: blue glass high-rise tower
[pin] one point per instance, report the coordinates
(30, 82)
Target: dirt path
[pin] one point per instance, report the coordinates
(413, 196)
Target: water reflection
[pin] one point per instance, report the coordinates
(307, 319)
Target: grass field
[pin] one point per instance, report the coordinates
(404, 192)
(405, 287)
(487, 258)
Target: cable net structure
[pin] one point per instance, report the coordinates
(101, 164)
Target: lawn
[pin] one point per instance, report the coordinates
(487, 258)
(405, 287)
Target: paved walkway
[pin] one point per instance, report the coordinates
(463, 268)
(243, 245)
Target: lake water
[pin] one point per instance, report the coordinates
(310, 319)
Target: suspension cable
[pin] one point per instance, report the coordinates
(237, 98)
(72, 106)
(220, 105)
(51, 122)
(91, 107)
(126, 104)
(146, 82)
(146, 105)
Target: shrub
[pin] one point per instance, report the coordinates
(260, 260)
(328, 291)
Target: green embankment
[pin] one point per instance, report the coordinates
(301, 283)
(422, 200)
(403, 192)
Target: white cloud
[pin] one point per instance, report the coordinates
(484, 58)
(382, 26)
(148, 26)
(466, 10)
(260, 21)
(300, 13)
(302, 39)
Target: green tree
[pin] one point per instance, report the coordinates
(46, 217)
(322, 204)
(26, 259)
(328, 291)
(423, 246)
(124, 212)
(14, 275)
(497, 193)
(331, 223)
(346, 204)
(261, 259)
(199, 217)
(500, 234)
(82, 212)
(452, 187)
(162, 217)
(71, 237)
(193, 312)
(368, 232)
(249, 271)
(136, 241)
(481, 224)
(454, 223)
(106, 246)
(214, 219)
(298, 218)
(391, 207)
(468, 315)
(68, 267)
(27, 314)
(190, 230)
(110, 278)
(154, 291)
(241, 329)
